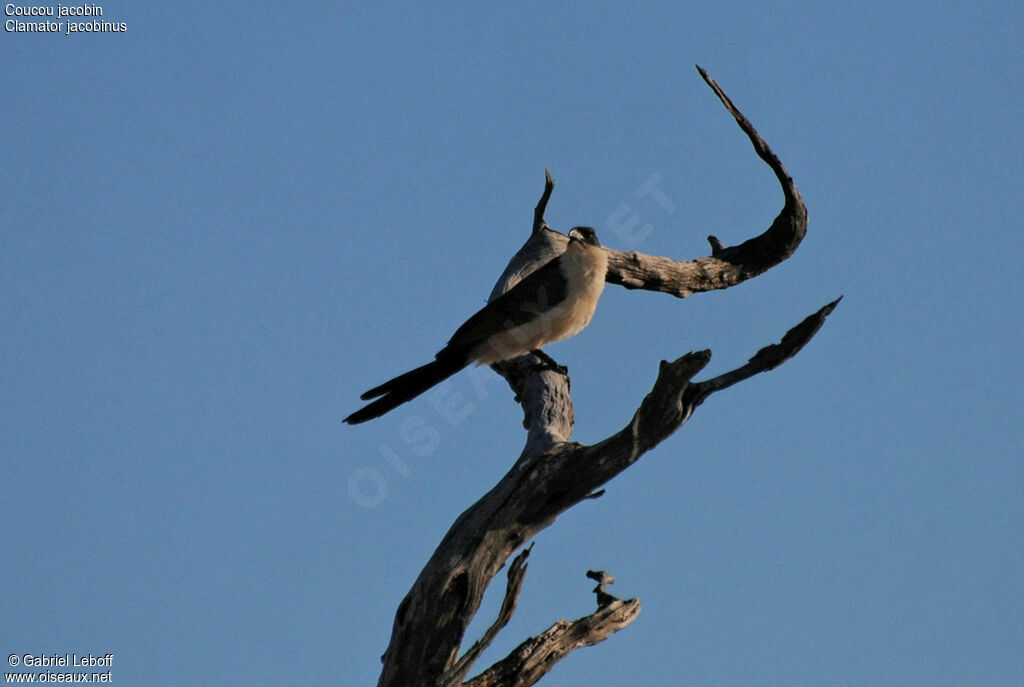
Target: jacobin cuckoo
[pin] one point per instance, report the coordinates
(552, 303)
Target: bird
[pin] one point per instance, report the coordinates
(554, 302)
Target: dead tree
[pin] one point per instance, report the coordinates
(553, 473)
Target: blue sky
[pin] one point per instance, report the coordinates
(222, 225)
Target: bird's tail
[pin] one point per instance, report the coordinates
(406, 387)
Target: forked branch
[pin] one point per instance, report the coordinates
(516, 574)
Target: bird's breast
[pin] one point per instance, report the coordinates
(584, 269)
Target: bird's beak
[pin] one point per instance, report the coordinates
(575, 235)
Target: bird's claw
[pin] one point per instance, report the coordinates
(548, 363)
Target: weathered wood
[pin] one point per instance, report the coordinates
(532, 659)
(726, 266)
(552, 473)
(516, 574)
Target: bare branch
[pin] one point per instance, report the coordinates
(603, 579)
(516, 574)
(539, 222)
(769, 357)
(762, 148)
(532, 659)
(727, 266)
(674, 398)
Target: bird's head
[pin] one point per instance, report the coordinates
(584, 234)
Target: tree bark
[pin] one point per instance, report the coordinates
(553, 473)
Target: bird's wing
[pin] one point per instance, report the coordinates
(539, 291)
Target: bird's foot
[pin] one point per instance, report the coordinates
(548, 363)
